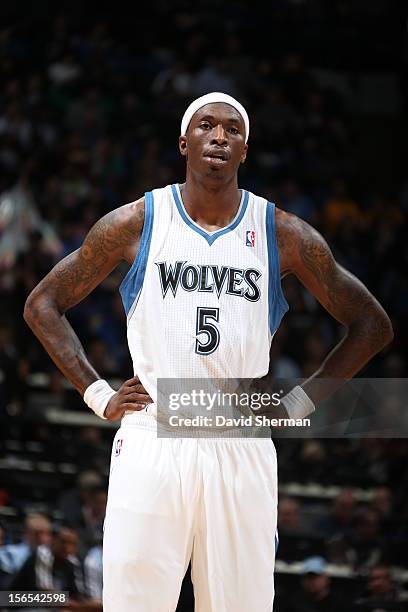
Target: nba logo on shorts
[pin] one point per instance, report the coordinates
(118, 446)
(250, 238)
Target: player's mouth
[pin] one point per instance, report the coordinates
(216, 157)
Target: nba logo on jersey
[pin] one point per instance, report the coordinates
(118, 446)
(250, 238)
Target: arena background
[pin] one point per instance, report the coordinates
(91, 97)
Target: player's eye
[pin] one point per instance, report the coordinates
(233, 130)
(205, 125)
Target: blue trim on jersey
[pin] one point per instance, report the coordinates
(277, 302)
(131, 285)
(210, 236)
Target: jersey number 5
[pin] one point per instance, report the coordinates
(211, 334)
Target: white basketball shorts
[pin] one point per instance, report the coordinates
(170, 500)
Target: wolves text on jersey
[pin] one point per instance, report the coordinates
(209, 279)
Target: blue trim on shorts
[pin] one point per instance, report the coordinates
(132, 284)
(278, 305)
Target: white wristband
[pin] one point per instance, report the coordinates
(297, 403)
(97, 396)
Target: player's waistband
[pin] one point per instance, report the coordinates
(142, 419)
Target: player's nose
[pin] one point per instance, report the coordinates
(219, 135)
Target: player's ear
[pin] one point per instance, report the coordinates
(183, 145)
(244, 154)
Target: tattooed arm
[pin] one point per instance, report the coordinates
(304, 253)
(112, 239)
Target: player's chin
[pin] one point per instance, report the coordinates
(215, 174)
(218, 172)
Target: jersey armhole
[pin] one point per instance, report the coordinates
(132, 284)
(278, 305)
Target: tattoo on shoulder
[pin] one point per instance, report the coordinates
(317, 256)
(287, 231)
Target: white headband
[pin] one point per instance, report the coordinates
(211, 98)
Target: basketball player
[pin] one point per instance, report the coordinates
(203, 298)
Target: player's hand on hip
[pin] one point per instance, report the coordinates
(132, 396)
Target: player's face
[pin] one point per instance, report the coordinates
(215, 141)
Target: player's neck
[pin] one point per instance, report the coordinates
(210, 203)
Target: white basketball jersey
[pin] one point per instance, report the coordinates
(203, 304)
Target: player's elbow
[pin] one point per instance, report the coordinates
(382, 331)
(35, 307)
(374, 329)
(30, 309)
(388, 333)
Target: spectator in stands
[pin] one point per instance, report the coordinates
(283, 366)
(373, 460)
(3, 575)
(91, 450)
(53, 566)
(295, 541)
(382, 503)
(24, 229)
(380, 593)
(339, 521)
(314, 350)
(293, 200)
(93, 572)
(102, 358)
(313, 461)
(289, 516)
(9, 375)
(341, 209)
(93, 512)
(315, 593)
(37, 532)
(363, 546)
(71, 501)
(84, 507)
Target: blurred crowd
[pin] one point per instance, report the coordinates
(89, 120)
(342, 521)
(52, 558)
